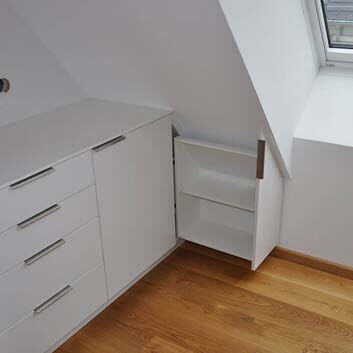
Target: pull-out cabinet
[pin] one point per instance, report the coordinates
(220, 202)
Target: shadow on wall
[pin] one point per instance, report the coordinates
(38, 81)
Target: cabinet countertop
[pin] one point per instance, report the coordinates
(38, 142)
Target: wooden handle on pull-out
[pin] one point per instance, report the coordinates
(261, 144)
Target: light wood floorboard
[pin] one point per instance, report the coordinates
(200, 300)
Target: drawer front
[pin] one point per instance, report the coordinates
(21, 202)
(17, 243)
(29, 284)
(39, 331)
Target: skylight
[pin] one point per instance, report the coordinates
(332, 25)
(338, 17)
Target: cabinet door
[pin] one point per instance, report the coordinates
(269, 193)
(134, 181)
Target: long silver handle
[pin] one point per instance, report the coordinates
(38, 216)
(44, 252)
(109, 143)
(52, 299)
(31, 178)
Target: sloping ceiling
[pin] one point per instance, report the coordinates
(273, 39)
(179, 54)
(38, 82)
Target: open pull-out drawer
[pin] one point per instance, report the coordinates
(228, 199)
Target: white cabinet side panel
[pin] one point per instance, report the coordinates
(268, 210)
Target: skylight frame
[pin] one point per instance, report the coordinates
(328, 53)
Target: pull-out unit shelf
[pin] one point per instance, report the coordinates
(228, 199)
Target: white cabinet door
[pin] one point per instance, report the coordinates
(134, 179)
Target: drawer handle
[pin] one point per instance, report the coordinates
(52, 299)
(39, 216)
(44, 252)
(109, 143)
(31, 178)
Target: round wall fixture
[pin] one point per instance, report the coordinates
(4, 85)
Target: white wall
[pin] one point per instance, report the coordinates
(183, 55)
(166, 53)
(38, 83)
(273, 39)
(317, 215)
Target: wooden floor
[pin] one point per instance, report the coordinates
(200, 300)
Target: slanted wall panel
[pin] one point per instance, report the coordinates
(274, 41)
(165, 53)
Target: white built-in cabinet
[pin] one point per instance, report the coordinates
(228, 199)
(87, 207)
(134, 180)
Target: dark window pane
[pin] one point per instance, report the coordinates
(339, 22)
